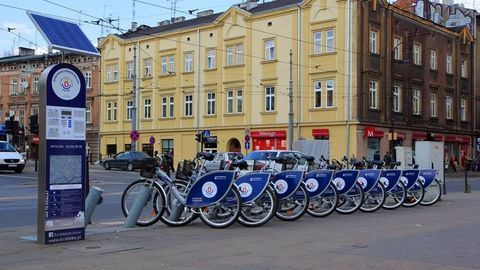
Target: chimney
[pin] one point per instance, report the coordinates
(134, 26)
(162, 23)
(22, 51)
(178, 19)
(249, 4)
(204, 13)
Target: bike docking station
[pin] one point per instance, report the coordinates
(62, 173)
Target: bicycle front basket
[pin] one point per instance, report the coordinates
(148, 167)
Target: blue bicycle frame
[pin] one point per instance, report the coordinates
(317, 182)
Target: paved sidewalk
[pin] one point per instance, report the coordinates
(443, 236)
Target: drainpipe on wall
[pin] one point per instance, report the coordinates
(99, 117)
(198, 88)
(299, 67)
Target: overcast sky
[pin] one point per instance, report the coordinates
(120, 11)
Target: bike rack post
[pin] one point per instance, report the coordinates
(137, 207)
(91, 202)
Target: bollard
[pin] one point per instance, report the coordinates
(136, 210)
(176, 211)
(91, 202)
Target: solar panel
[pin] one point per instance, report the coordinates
(63, 35)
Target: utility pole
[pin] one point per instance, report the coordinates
(134, 93)
(290, 112)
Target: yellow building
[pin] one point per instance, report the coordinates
(229, 73)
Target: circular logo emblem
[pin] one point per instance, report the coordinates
(384, 181)
(281, 186)
(209, 189)
(66, 84)
(362, 181)
(312, 184)
(245, 190)
(339, 183)
(404, 180)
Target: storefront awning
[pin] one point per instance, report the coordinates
(269, 134)
(320, 132)
(457, 139)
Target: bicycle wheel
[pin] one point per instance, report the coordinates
(374, 199)
(260, 211)
(225, 212)
(433, 193)
(395, 197)
(293, 207)
(350, 202)
(414, 195)
(154, 207)
(324, 204)
(187, 214)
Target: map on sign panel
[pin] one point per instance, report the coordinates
(65, 169)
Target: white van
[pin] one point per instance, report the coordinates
(10, 159)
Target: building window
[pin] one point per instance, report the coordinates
(317, 92)
(109, 75)
(397, 102)
(230, 101)
(270, 98)
(23, 84)
(167, 107)
(114, 111)
(13, 87)
(129, 115)
(167, 145)
(463, 110)
(171, 105)
(235, 55)
(397, 48)
(115, 72)
(373, 41)
(330, 41)
(171, 62)
(148, 68)
(417, 54)
(88, 79)
(448, 108)
(211, 59)
(164, 69)
(417, 101)
(433, 59)
(210, 103)
(330, 93)
(449, 64)
(88, 113)
(463, 69)
(188, 62)
(188, 105)
(317, 42)
(36, 85)
(239, 101)
(130, 70)
(109, 111)
(21, 117)
(164, 107)
(147, 108)
(269, 50)
(433, 105)
(373, 96)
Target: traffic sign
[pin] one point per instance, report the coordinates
(134, 135)
(247, 145)
(247, 138)
(152, 140)
(206, 134)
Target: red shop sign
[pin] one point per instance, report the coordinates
(371, 132)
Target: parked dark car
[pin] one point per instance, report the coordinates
(128, 160)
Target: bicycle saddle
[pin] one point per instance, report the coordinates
(377, 162)
(310, 159)
(283, 160)
(242, 164)
(356, 163)
(206, 156)
(395, 163)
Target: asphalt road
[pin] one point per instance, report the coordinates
(18, 194)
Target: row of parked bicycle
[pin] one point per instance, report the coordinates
(222, 197)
